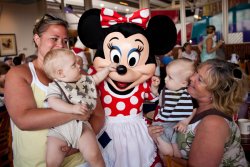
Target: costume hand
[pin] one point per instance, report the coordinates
(80, 109)
(181, 127)
(155, 131)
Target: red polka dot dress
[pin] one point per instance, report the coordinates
(131, 144)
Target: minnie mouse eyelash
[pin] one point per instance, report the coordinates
(110, 45)
(140, 48)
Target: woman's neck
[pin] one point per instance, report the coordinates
(38, 64)
(204, 105)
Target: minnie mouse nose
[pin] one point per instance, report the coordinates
(121, 69)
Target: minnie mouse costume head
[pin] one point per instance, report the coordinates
(132, 42)
(128, 44)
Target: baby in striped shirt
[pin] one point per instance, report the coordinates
(175, 105)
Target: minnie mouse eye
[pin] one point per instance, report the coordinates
(133, 58)
(115, 56)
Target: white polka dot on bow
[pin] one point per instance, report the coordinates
(144, 13)
(139, 21)
(112, 22)
(108, 12)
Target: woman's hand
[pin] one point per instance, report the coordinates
(155, 131)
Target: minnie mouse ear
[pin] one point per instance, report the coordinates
(162, 34)
(89, 28)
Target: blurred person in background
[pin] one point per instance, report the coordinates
(188, 52)
(4, 68)
(209, 45)
(8, 61)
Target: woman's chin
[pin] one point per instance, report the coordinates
(190, 90)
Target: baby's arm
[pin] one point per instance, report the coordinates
(60, 105)
(101, 75)
(182, 125)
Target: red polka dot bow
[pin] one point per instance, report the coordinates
(109, 17)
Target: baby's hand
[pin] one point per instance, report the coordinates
(155, 81)
(80, 109)
(112, 67)
(181, 127)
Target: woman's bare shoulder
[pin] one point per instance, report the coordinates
(213, 122)
(19, 72)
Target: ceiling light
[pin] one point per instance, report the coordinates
(102, 5)
(124, 3)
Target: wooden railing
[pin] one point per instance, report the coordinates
(243, 50)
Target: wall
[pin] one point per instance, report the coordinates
(19, 19)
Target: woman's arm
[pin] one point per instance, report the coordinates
(210, 47)
(22, 107)
(179, 53)
(200, 46)
(208, 145)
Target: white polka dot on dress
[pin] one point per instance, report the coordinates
(120, 106)
(107, 111)
(107, 99)
(142, 95)
(133, 111)
(120, 115)
(133, 100)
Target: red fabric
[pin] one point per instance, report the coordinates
(110, 17)
(77, 50)
(157, 161)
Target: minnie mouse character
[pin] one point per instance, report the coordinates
(131, 42)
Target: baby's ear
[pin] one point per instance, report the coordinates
(59, 73)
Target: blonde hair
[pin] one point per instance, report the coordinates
(185, 68)
(47, 20)
(227, 84)
(54, 61)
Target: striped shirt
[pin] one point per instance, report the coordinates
(175, 105)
